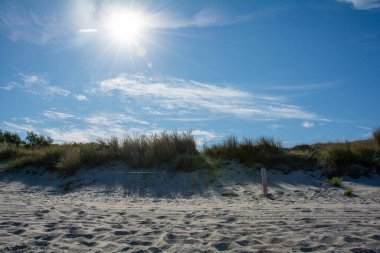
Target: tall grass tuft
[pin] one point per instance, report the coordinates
(157, 149)
(264, 150)
(70, 162)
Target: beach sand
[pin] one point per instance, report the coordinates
(114, 209)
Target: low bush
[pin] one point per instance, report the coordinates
(336, 181)
(348, 192)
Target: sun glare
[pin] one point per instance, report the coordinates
(125, 26)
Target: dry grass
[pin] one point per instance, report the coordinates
(157, 149)
(178, 151)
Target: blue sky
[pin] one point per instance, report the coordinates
(298, 71)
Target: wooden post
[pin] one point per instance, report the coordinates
(264, 181)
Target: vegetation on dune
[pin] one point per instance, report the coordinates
(336, 181)
(348, 192)
(178, 151)
(376, 136)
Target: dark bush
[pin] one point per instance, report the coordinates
(10, 138)
(34, 140)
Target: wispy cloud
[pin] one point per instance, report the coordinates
(57, 115)
(33, 79)
(275, 126)
(112, 119)
(203, 18)
(174, 96)
(39, 84)
(8, 86)
(304, 87)
(307, 124)
(204, 136)
(83, 134)
(26, 25)
(55, 90)
(363, 4)
(18, 127)
(89, 17)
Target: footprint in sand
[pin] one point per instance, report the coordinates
(124, 232)
(18, 231)
(362, 250)
(351, 239)
(312, 249)
(142, 243)
(41, 243)
(221, 246)
(88, 244)
(46, 237)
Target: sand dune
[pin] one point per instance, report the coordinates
(109, 210)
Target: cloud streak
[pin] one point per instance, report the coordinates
(305, 87)
(175, 96)
(363, 4)
(206, 17)
(81, 17)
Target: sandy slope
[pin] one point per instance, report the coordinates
(108, 210)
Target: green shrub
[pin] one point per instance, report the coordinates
(336, 181)
(348, 192)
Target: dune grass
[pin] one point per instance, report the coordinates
(178, 151)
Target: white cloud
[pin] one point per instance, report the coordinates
(33, 79)
(25, 25)
(365, 128)
(39, 84)
(57, 115)
(112, 119)
(54, 90)
(19, 127)
(91, 133)
(307, 124)
(275, 126)
(363, 4)
(204, 18)
(203, 136)
(81, 97)
(304, 87)
(83, 17)
(174, 96)
(9, 86)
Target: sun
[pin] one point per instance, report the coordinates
(125, 25)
